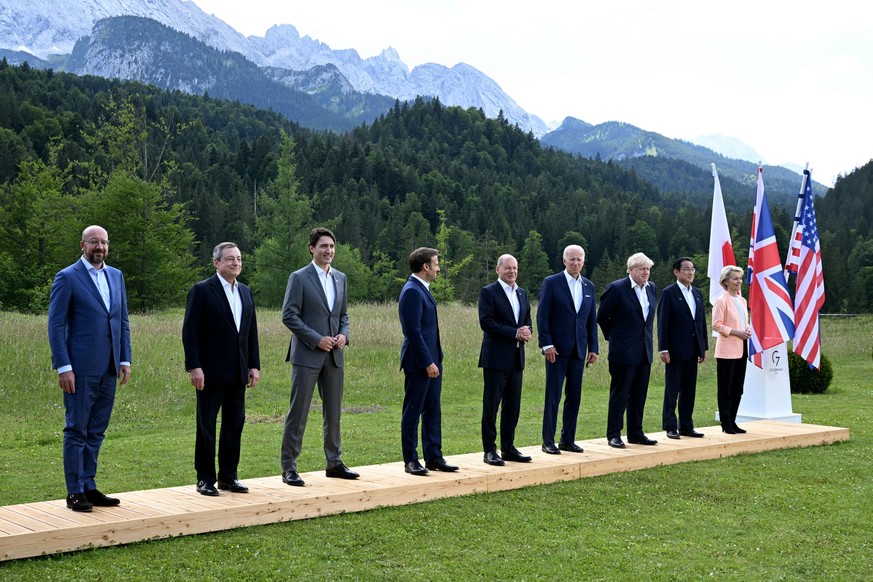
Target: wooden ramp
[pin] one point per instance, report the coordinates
(33, 529)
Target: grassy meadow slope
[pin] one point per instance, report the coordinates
(794, 514)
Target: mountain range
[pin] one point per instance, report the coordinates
(175, 45)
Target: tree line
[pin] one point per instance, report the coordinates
(170, 175)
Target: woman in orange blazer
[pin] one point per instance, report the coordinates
(730, 320)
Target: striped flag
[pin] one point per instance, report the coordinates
(809, 294)
(793, 258)
(772, 313)
(721, 251)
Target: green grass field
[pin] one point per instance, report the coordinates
(785, 515)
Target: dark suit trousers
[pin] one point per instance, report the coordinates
(731, 376)
(231, 399)
(680, 378)
(569, 369)
(421, 401)
(627, 392)
(501, 387)
(87, 417)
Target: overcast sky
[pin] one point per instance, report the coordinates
(793, 80)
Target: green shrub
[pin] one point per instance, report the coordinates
(807, 380)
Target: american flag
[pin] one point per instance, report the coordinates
(809, 292)
(793, 258)
(772, 313)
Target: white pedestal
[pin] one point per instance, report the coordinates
(767, 391)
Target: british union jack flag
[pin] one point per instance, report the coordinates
(770, 306)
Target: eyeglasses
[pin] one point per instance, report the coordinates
(96, 241)
(688, 269)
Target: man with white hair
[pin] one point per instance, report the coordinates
(626, 317)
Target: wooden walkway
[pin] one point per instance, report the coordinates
(33, 529)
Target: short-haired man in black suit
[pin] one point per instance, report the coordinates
(220, 339)
(682, 341)
(504, 316)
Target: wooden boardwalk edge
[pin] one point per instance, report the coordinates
(48, 527)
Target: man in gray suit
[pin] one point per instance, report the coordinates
(315, 310)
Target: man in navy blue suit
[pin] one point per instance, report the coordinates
(220, 339)
(421, 358)
(89, 335)
(567, 331)
(626, 317)
(682, 341)
(504, 316)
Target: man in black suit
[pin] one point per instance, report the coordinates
(567, 332)
(421, 357)
(220, 338)
(626, 317)
(682, 341)
(504, 316)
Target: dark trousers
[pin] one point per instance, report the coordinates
(566, 371)
(628, 388)
(87, 417)
(730, 375)
(421, 401)
(680, 378)
(502, 387)
(231, 400)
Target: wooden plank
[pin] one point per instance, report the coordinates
(49, 527)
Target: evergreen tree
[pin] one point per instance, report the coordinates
(281, 229)
(533, 264)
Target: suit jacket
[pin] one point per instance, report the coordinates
(621, 320)
(210, 338)
(418, 321)
(82, 333)
(725, 318)
(679, 333)
(558, 322)
(306, 314)
(499, 326)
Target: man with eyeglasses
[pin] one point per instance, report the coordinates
(89, 335)
(682, 341)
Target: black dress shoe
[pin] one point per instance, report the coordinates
(673, 434)
(341, 472)
(415, 468)
(570, 447)
(643, 440)
(739, 430)
(691, 433)
(728, 429)
(439, 464)
(493, 458)
(292, 478)
(208, 489)
(97, 499)
(515, 456)
(234, 486)
(78, 502)
(616, 443)
(551, 449)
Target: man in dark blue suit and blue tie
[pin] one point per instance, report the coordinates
(682, 342)
(627, 315)
(421, 358)
(567, 331)
(89, 335)
(504, 316)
